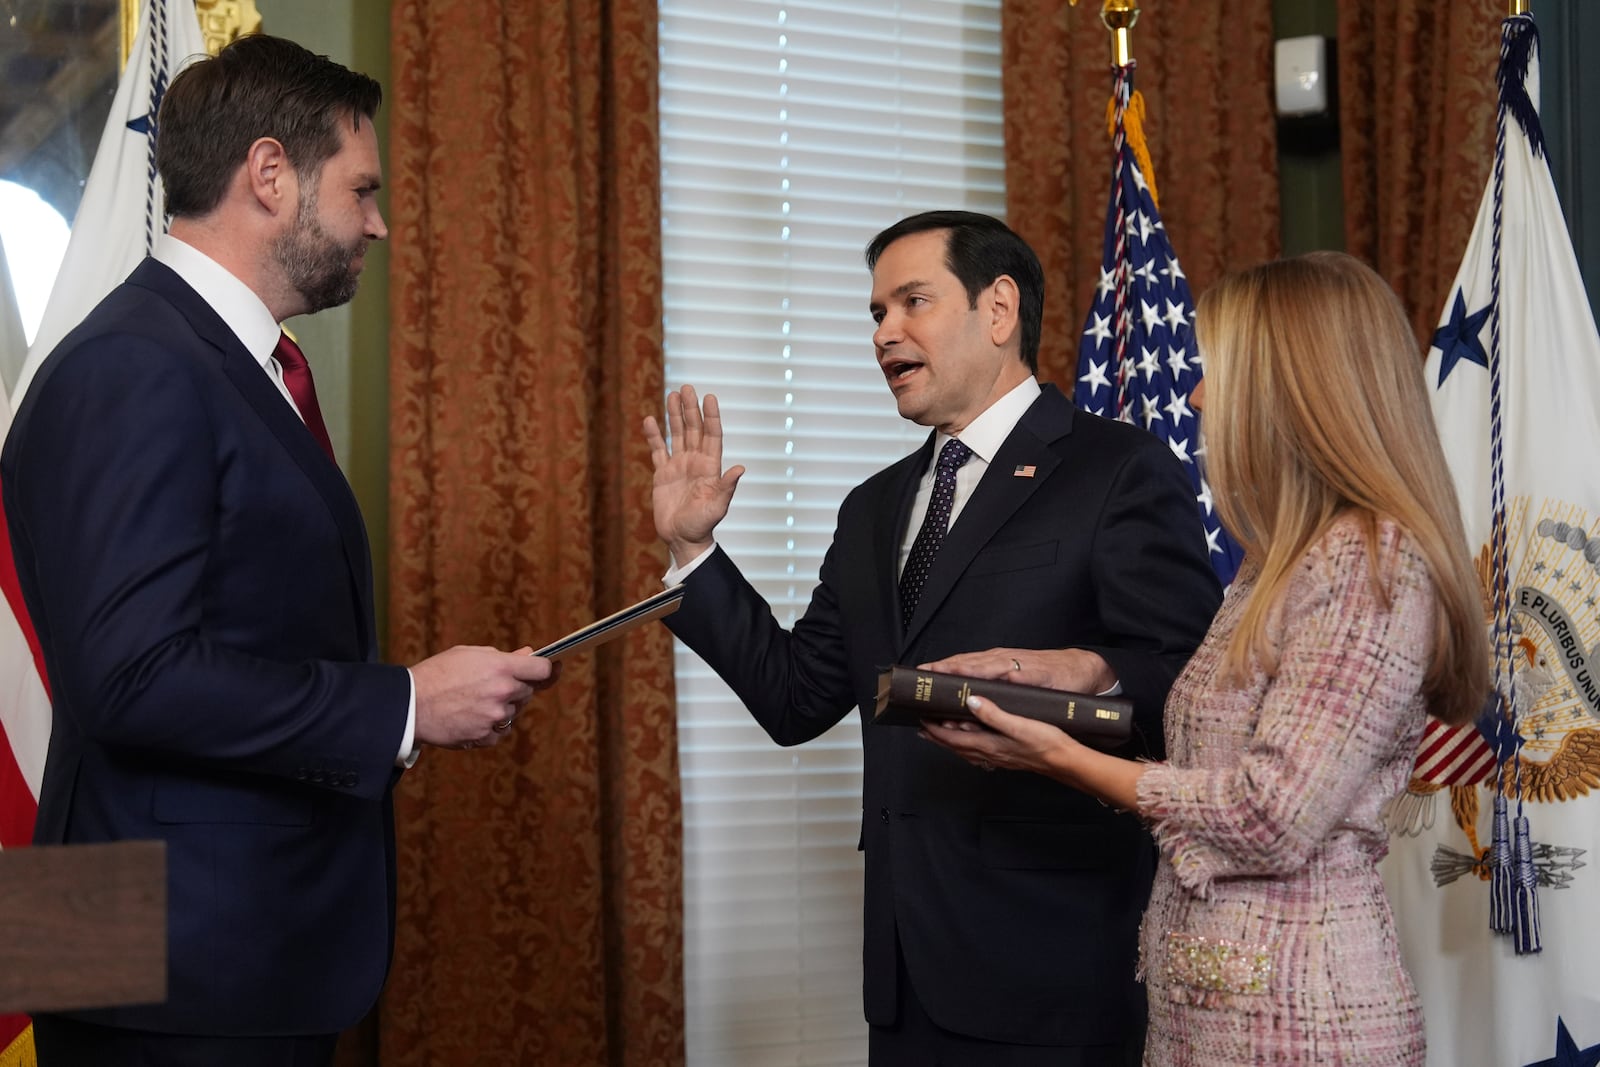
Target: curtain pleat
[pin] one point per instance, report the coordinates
(1416, 116)
(540, 899)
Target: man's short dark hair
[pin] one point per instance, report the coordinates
(258, 86)
(978, 249)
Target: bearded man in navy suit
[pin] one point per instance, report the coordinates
(199, 576)
(1001, 908)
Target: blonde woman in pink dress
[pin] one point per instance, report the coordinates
(1268, 938)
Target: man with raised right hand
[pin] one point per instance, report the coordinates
(1037, 543)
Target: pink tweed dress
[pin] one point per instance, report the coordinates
(1268, 939)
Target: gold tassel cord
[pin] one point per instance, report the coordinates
(1133, 127)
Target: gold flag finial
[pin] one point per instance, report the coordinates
(220, 22)
(1119, 17)
(1519, 7)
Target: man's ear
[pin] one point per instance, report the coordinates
(1005, 310)
(271, 180)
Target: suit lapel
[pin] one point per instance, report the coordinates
(997, 497)
(259, 392)
(264, 399)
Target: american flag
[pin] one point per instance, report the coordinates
(1137, 359)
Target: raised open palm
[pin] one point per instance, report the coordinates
(690, 491)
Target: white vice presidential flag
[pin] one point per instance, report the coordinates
(122, 211)
(116, 224)
(1515, 370)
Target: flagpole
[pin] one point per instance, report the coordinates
(1119, 17)
(1519, 7)
(130, 30)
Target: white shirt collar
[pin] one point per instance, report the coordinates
(986, 433)
(233, 301)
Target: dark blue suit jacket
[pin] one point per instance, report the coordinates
(199, 576)
(1016, 900)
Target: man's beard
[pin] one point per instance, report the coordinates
(317, 266)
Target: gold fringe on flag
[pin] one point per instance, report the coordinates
(1133, 126)
(20, 1052)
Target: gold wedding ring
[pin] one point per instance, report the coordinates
(1015, 665)
(502, 727)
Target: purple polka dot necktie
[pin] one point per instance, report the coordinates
(934, 524)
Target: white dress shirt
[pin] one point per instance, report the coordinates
(984, 436)
(234, 302)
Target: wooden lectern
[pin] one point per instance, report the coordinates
(83, 926)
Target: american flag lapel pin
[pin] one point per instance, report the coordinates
(1024, 471)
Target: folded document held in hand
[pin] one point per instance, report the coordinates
(603, 630)
(907, 695)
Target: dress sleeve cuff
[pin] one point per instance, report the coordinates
(1163, 795)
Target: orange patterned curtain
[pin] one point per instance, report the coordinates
(1416, 112)
(1205, 71)
(540, 910)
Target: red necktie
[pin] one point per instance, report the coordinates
(297, 376)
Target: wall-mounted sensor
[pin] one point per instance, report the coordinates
(1302, 76)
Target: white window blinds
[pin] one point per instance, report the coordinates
(791, 132)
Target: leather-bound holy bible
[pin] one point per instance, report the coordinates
(907, 695)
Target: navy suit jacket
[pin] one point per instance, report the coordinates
(1016, 900)
(198, 573)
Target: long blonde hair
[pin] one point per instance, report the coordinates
(1317, 408)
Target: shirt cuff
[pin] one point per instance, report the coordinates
(408, 742)
(676, 574)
